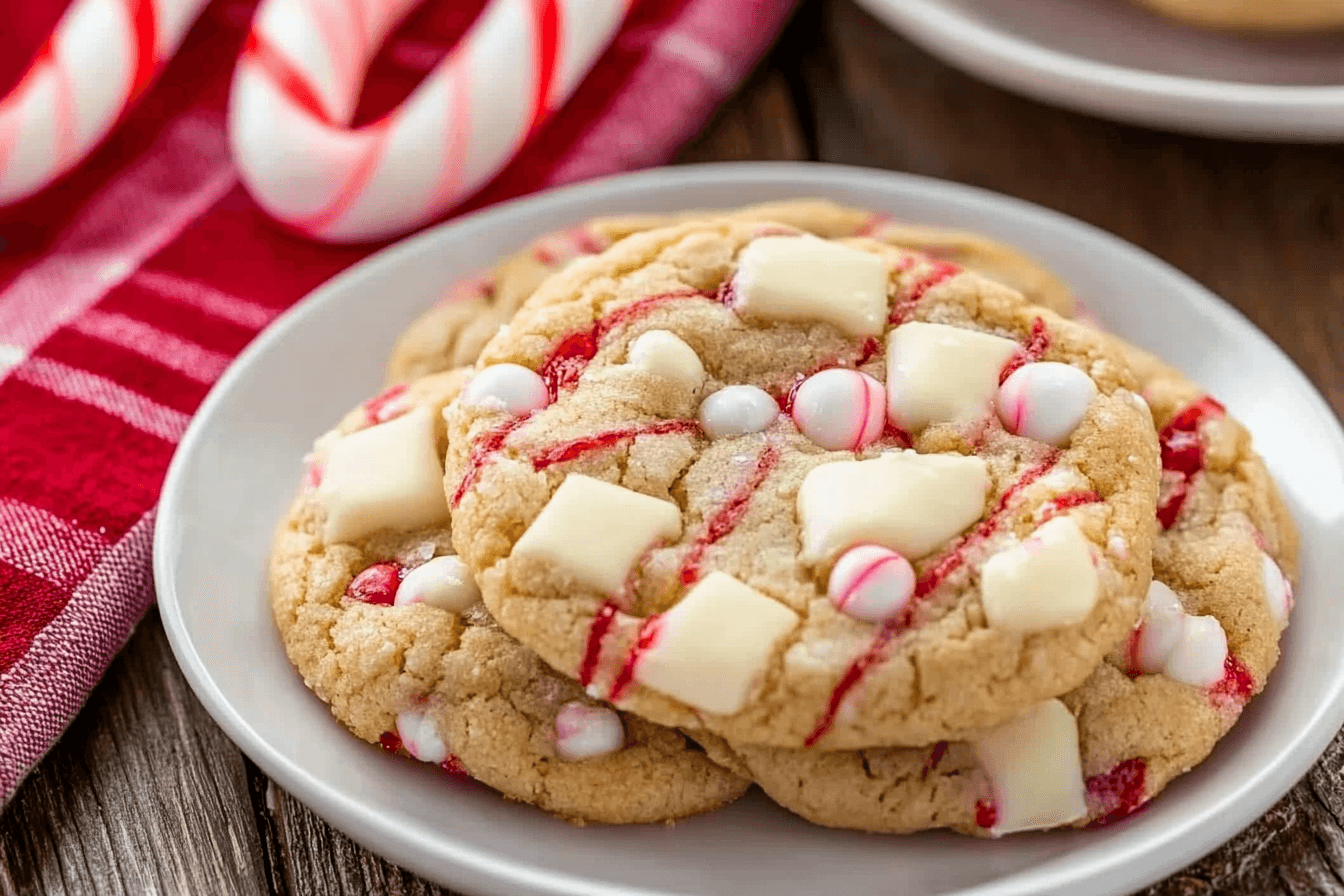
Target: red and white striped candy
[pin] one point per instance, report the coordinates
(296, 87)
(840, 409)
(100, 58)
(871, 583)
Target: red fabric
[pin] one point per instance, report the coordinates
(126, 288)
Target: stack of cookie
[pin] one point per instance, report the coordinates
(794, 496)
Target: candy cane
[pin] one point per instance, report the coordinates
(101, 57)
(296, 87)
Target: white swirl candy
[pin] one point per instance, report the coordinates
(665, 354)
(443, 582)
(1045, 401)
(871, 583)
(511, 388)
(420, 738)
(585, 732)
(840, 409)
(736, 411)
(1189, 649)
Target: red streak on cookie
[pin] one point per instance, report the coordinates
(376, 585)
(1118, 793)
(871, 225)
(1183, 454)
(597, 633)
(563, 451)
(570, 357)
(925, 585)
(644, 639)
(1237, 684)
(453, 766)
(986, 814)
(941, 272)
(391, 742)
(724, 520)
(1037, 344)
(1069, 500)
(584, 241)
(893, 433)
(868, 349)
(935, 757)
(871, 348)
(483, 451)
(385, 406)
(1132, 651)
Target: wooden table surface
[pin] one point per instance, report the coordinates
(144, 794)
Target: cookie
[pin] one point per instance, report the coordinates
(452, 333)
(386, 627)
(732, 476)
(1223, 564)
(1254, 15)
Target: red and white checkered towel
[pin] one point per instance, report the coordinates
(126, 289)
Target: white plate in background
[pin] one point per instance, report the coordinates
(240, 459)
(1117, 60)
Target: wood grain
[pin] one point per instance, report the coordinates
(144, 794)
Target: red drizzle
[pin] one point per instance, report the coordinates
(924, 586)
(1237, 684)
(563, 451)
(569, 359)
(1132, 651)
(726, 518)
(1033, 351)
(1069, 500)
(483, 451)
(868, 349)
(377, 584)
(597, 633)
(644, 639)
(1183, 454)
(391, 742)
(453, 766)
(940, 272)
(1117, 793)
(986, 814)
(384, 406)
(935, 757)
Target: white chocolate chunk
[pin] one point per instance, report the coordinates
(713, 646)
(1278, 590)
(595, 531)
(1163, 625)
(420, 738)
(1045, 582)
(443, 582)
(388, 476)
(908, 502)
(804, 279)
(584, 732)
(1198, 657)
(1034, 766)
(665, 354)
(510, 388)
(1045, 401)
(736, 411)
(942, 374)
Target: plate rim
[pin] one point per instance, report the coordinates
(1206, 106)
(478, 871)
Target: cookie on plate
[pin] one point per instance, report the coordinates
(733, 476)
(1223, 564)
(452, 333)
(1258, 15)
(385, 626)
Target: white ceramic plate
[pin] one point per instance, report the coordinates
(1114, 59)
(239, 462)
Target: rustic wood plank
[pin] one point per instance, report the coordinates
(144, 794)
(759, 123)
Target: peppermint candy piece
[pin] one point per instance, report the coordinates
(840, 409)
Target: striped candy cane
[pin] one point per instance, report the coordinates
(101, 57)
(297, 84)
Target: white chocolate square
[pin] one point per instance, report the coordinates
(713, 646)
(908, 502)
(942, 374)
(665, 354)
(1034, 767)
(388, 476)
(595, 531)
(805, 278)
(1047, 581)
